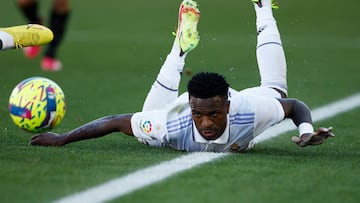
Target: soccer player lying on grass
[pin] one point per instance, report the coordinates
(210, 116)
(24, 36)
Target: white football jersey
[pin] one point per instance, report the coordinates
(249, 115)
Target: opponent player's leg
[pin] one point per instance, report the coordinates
(30, 10)
(269, 52)
(59, 18)
(165, 88)
(24, 36)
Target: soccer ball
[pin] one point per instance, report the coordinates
(37, 104)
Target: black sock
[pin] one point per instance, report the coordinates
(57, 24)
(31, 13)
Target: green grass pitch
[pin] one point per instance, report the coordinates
(111, 54)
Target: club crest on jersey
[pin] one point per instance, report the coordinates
(147, 127)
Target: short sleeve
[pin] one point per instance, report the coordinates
(269, 112)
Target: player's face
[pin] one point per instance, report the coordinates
(210, 115)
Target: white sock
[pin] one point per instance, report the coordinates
(165, 89)
(7, 40)
(270, 54)
(266, 24)
(170, 72)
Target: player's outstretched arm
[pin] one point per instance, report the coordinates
(299, 112)
(296, 110)
(93, 129)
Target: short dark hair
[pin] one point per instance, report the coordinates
(206, 85)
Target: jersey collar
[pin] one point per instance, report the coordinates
(223, 139)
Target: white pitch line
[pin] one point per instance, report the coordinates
(141, 178)
(145, 177)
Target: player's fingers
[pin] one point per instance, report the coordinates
(297, 141)
(37, 139)
(325, 132)
(34, 141)
(331, 134)
(34, 137)
(326, 135)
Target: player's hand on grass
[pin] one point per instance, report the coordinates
(316, 138)
(47, 139)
